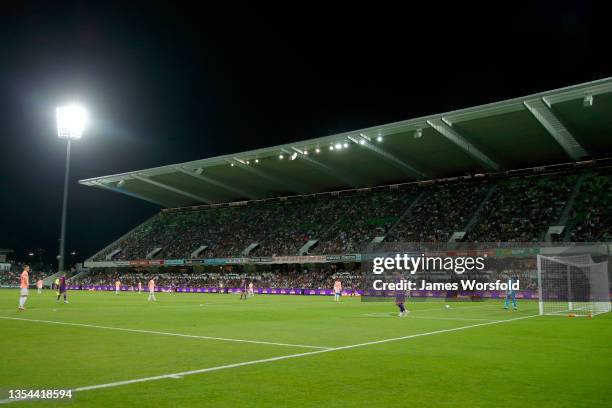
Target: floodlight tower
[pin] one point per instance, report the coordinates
(71, 121)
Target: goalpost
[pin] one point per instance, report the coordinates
(572, 285)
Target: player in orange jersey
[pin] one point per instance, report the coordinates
(24, 284)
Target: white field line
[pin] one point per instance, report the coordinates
(483, 307)
(191, 336)
(286, 357)
(410, 316)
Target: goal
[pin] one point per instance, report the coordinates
(572, 285)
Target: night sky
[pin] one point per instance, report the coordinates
(169, 85)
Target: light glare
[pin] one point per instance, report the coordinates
(71, 120)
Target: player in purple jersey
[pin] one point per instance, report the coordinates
(62, 288)
(400, 298)
(243, 290)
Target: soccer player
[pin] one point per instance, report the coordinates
(39, 285)
(251, 291)
(400, 298)
(57, 283)
(24, 283)
(243, 290)
(62, 288)
(139, 286)
(510, 295)
(337, 290)
(117, 286)
(152, 290)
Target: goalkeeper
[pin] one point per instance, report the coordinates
(510, 295)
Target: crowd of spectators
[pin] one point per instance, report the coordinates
(518, 210)
(365, 217)
(319, 278)
(442, 211)
(592, 215)
(522, 209)
(11, 276)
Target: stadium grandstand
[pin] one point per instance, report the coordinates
(530, 169)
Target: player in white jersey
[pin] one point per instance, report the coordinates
(337, 290)
(251, 290)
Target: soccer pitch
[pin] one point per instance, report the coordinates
(215, 350)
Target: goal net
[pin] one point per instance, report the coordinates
(572, 285)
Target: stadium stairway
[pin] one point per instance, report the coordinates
(120, 239)
(81, 274)
(154, 252)
(247, 251)
(563, 219)
(406, 213)
(306, 247)
(198, 251)
(474, 219)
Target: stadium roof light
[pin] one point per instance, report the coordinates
(256, 160)
(345, 145)
(294, 156)
(70, 120)
(317, 150)
(362, 142)
(366, 137)
(331, 147)
(280, 156)
(379, 139)
(305, 152)
(338, 146)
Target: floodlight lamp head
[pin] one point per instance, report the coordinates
(70, 120)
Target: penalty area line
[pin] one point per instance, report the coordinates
(191, 336)
(410, 317)
(280, 358)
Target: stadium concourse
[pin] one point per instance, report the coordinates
(531, 169)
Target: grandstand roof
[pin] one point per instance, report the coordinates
(559, 126)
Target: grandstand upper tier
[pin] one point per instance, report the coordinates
(564, 125)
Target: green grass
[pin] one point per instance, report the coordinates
(539, 361)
